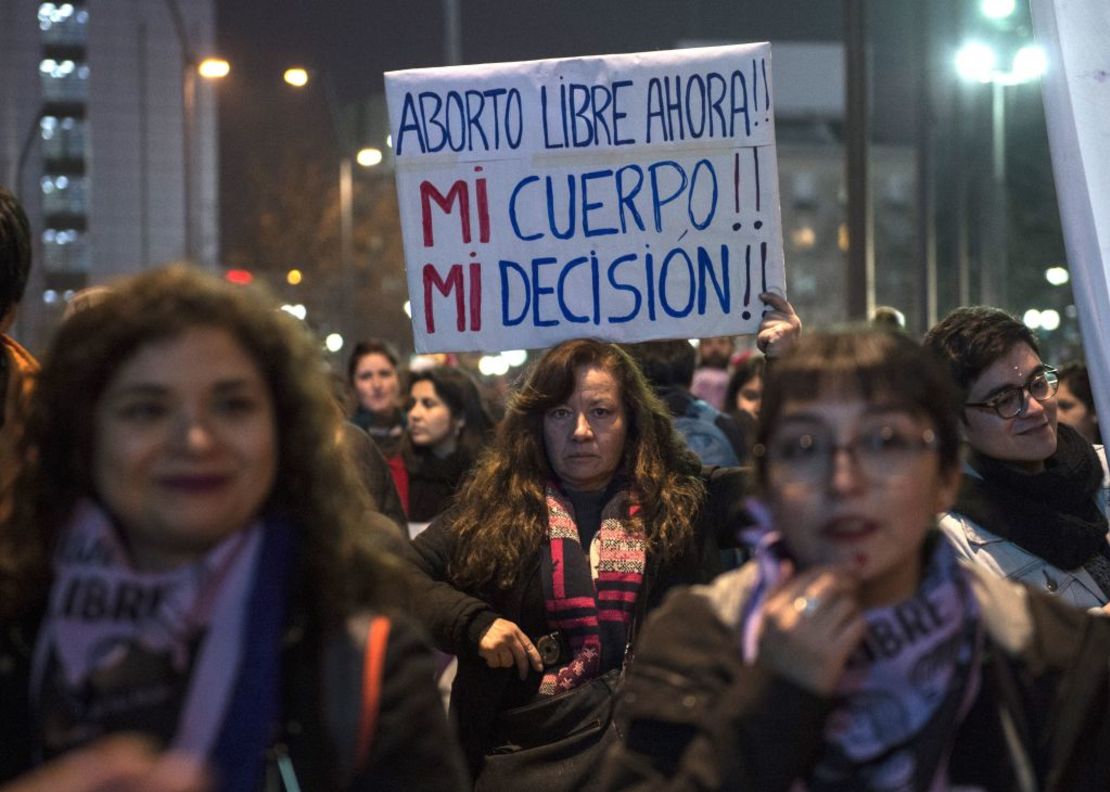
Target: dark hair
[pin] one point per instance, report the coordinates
(501, 513)
(374, 346)
(1074, 375)
(460, 393)
(665, 363)
(969, 340)
(876, 364)
(741, 376)
(15, 251)
(315, 488)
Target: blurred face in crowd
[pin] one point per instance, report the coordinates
(431, 424)
(715, 352)
(857, 484)
(376, 383)
(185, 445)
(750, 396)
(1024, 441)
(584, 436)
(1072, 411)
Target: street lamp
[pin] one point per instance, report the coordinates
(213, 68)
(209, 69)
(298, 77)
(978, 62)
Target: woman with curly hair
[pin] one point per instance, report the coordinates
(189, 557)
(584, 511)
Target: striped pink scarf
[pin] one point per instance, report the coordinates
(590, 597)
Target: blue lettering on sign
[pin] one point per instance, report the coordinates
(700, 106)
(469, 121)
(685, 280)
(583, 115)
(613, 202)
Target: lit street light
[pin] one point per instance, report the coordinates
(296, 76)
(209, 68)
(214, 68)
(978, 62)
(368, 157)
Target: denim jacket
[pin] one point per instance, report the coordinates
(1005, 559)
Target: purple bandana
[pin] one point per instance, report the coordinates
(122, 649)
(905, 688)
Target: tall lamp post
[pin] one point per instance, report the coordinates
(367, 157)
(977, 62)
(191, 68)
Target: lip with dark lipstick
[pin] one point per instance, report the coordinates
(848, 529)
(194, 483)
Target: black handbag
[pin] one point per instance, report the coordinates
(555, 743)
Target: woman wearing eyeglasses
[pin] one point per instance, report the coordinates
(855, 652)
(1033, 502)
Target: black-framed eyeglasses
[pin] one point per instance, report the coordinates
(882, 452)
(1011, 402)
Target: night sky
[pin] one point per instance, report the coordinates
(354, 43)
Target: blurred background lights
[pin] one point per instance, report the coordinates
(368, 157)
(516, 357)
(213, 68)
(998, 9)
(334, 342)
(1032, 318)
(296, 76)
(493, 365)
(407, 307)
(1057, 276)
(1030, 63)
(294, 276)
(975, 62)
(297, 310)
(1050, 319)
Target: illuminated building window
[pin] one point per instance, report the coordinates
(64, 80)
(63, 23)
(65, 250)
(64, 195)
(63, 138)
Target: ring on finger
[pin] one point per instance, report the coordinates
(806, 605)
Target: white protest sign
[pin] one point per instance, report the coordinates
(625, 197)
(1076, 37)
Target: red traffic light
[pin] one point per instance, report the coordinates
(239, 276)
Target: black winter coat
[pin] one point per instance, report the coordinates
(457, 620)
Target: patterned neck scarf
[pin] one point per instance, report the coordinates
(590, 595)
(906, 688)
(164, 653)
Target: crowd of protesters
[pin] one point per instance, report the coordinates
(845, 561)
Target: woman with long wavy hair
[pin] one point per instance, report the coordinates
(586, 508)
(190, 557)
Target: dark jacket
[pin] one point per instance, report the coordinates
(457, 620)
(709, 433)
(695, 717)
(412, 749)
(375, 475)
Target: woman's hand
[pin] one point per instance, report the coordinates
(780, 327)
(811, 625)
(503, 645)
